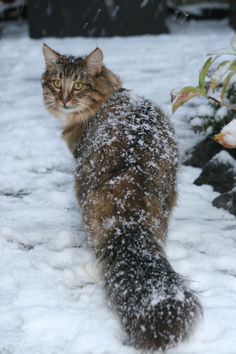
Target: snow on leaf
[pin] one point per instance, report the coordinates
(227, 136)
(226, 140)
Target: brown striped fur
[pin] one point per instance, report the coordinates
(127, 161)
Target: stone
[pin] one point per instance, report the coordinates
(201, 153)
(219, 172)
(226, 201)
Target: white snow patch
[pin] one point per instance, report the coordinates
(225, 157)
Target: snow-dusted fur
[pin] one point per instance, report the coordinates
(157, 310)
(126, 186)
(125, 183)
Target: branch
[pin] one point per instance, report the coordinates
(221, 103)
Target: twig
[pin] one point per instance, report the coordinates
(221, 103)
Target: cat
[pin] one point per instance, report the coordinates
(125, 183)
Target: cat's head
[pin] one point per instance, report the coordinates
(76, 86)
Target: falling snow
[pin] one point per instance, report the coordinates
(52, 294)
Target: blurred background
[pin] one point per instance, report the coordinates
(95, 18)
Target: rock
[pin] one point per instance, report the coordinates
(200, 154)
(226, 201)
(219, 172)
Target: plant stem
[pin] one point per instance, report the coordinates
(221, 103)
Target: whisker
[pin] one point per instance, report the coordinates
(85, 106)
(82, 116)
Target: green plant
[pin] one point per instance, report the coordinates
(209, 117)
(214, 89)
(215, 84)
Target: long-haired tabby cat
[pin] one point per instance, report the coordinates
(126, 160)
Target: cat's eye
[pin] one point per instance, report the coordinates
(57, 83)
(77, 86)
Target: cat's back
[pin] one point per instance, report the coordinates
(129, 136)
(129, 125)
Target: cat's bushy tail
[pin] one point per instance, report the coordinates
(156, 308)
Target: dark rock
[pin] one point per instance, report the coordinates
(200, 154)
(233, 14)
(232, 152)
(219, 172)
(226, 201)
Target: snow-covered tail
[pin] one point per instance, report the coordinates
(156, 308)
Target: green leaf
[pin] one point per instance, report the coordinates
(233, 42)
(218, 75)
(223, 63)
(233, 66)
(191, 89)
(203, 73)
(186, 94)
(226, 84)
(225, 51)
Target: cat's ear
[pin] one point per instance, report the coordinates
(94, 61)
(50, 55)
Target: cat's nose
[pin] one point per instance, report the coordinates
(65, 100)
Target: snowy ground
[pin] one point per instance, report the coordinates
(51, 294)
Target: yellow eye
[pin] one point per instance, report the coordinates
(78, 86)
(57, 83)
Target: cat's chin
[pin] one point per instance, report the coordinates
(64, 116)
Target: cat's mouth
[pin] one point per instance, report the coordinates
(67, 109)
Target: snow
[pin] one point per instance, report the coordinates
(227, 135)
(144, 3)
(51, 289)
(230, 133)
(225, 158)
(221, 113)
(197, 9)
